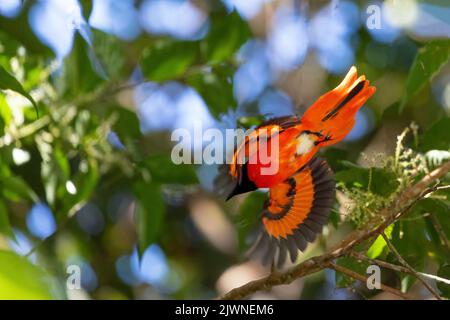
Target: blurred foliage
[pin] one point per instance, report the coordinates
(65, 157)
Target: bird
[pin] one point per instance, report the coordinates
(301, 186)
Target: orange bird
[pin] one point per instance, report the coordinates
(301, 188)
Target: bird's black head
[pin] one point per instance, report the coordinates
(245, 185)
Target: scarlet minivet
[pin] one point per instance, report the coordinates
(302, 190)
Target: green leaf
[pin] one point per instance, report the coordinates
(168, 60)
(19, 29)
(20, 279)
(15, 188)
(85, 183)
(150, 213)
(435, 213)
(7, 81)
(127, 125)
(5, 114)
(436, 137)
(428, 62)
(163, 170)
(5, 227)
(249, 216)
(334, 158)
(376, 249)
(228, 33)
(215, 88)
(107, 55)
(334, 217)
(78, 74)
(409, 238)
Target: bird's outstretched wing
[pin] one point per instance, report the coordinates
(295, 212)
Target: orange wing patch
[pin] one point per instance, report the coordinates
(296, 211)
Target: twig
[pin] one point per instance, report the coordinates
(437, 226)
(407, 265)
(71, 213)
(384, 264)
(363, 279)
(384, 218)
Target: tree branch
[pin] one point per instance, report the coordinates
(440, 231)
(384, 218)
(408, 266)
(384, 264)
(363, 279)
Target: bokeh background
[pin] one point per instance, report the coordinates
(90, 181)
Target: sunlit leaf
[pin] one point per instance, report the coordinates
(5, 114)
(7, 81)
(20, 279)
(376, 249)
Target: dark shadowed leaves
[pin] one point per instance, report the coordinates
(410, 240)
(444, 272)
(168, 60)
(335, 157)
(249, 216)
(5, 227)
(228, 32)
(150, 212)
(15, 188)
(429, 60)
(437, 136)
(163, 170)
(215, 87)
(435, 215)
(344, 281)
(78, 74)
